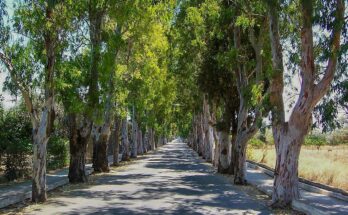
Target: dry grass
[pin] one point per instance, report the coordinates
(327, 165)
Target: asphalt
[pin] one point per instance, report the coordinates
(173, 180)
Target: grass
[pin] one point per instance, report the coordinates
(328, 165)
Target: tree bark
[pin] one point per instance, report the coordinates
(134, 145)
(79, 135)
(101, 136)
(40, 139)
(233, 155)
(152, 139)
(140, 142)
(208, 131)
(116, 142)
(124, 141)
(216, 159)
(288, 145)
(145, 141)
(225, 141)
(200, 136)
(195, 134)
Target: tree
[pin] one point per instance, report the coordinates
(251, 78)
(289, 135)
(21, 62)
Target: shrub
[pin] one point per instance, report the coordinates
(256, 143)
(17, 163)
(315, 140)
(57, 152)
(339, 137)
(250, 153)
(15, 131)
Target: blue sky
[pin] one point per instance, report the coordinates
(8, 102)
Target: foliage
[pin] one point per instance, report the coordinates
(256, 143)
(315, 140)
(250, 153)
(57, 152)
(15, 144)
(339, 136)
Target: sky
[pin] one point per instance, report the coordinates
(8, 99)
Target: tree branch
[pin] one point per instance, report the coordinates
(20, 85)
(323, 86)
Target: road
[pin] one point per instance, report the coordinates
(173, 180)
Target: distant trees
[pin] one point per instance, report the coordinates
(235, 50)
(140, 71)
(99, 61)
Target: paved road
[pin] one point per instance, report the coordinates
(171, 181)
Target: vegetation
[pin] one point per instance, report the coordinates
(129, 75)
(332, 170)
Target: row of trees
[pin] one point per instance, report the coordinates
(100, 62)
(234, 59)
(212, 70)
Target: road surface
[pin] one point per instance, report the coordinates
(173, 180)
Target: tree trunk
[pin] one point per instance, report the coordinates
(195, 135)
(134, 145)
(208, 131)
(200, 136)
(101, 136)
(233, 155)
(116, 142)
(244, 132)
(216, 148)
(289, 136)
(240, 165)
(41, 133)
(152, 139)
(140, 142)
(79, 135)
(145, 141)
(224, 148)
(288, 145)
(124, 141)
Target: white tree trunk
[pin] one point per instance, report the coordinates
(116, 142)
(201, 136)
(134, 145)
(152, 139)
(124, 140)
(216, 157)
(288, 145)
(224, 161)
(40, 139)
(140, 142)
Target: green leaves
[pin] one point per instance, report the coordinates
(245, 22)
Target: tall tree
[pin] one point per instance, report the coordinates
(43, 43)
(289, 135)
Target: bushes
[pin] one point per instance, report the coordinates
(57, 152)
(16, 145)
(315, 140)
(339, 137)
(256, 143)
(15, 135)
